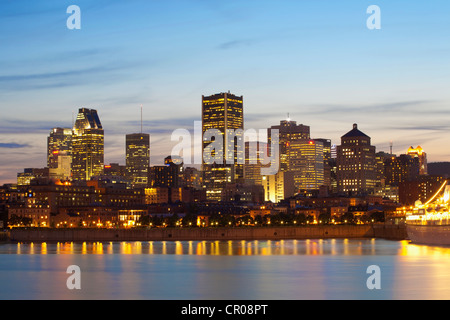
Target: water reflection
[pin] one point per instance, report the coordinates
(314, 247)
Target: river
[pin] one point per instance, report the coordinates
(226, 270)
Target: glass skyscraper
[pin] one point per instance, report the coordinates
(87, 145)
(222, 112)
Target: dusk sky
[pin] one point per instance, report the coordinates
(315, 60)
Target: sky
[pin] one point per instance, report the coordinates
(314, 60)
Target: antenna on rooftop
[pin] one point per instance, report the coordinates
(391, 144)
(141, 118)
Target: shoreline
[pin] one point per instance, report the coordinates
(388, 232)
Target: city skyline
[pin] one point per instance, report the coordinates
(317, 62)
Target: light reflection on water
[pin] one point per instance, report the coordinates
(341, 247)
(263, 269)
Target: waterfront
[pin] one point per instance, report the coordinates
(237, 270)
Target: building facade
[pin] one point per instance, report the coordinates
(307, 164)
(288, 132)
(59, 153)
(137, 152)
(223, 118)
(87, 145)
(355, 163)
(421, 156)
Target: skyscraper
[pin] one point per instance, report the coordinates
(137, 150)
(87, 145)
(356, 164)
(59, 141)
(288, 132)
(222, 114)
(307, 164)
(59, 153)
(419, 153)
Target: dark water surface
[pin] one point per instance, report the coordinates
(236, 270)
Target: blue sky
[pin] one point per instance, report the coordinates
(315, 60)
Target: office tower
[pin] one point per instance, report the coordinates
(254, 162)
(224, 114)
(307, 164)
(422, 156)
(400, 169)
(326, 161)
(137, 150)
(380, 158)
(169, 175)
(356, 166)
(59, 142)
(278, 186)
(87, 145)
(288, 132)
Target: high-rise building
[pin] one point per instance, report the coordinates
(306, 161)
(400, 169)
(137, 152)
(222, 114)
(422, 156)
(87, 145)
(355, 163)
(288, 132)
(326, 161)
(254, 160)
(59, 142)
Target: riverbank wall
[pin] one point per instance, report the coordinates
(4, 236)
(391, 232)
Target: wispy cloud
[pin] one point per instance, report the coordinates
(235, 44)
(12, 145)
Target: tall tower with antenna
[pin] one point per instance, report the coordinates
(137, 150)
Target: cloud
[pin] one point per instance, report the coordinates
(235, 44)
(13, 145)
(64, 78)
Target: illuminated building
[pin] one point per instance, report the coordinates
(355, 163)
(222, 112)
(115, 169)
(29, 174)
(327, 164)
(422, 156)
(380, 158)
(169, 175)
(279, 186)
(192, 178)
(59, 143)
(307, 163)
(253, 164)
(288, 132)
(138, 159)
(87, 145)
(157, 195)
(421, 189)
(244, 193)
(63, 171)
(38, 215)
(400, 169)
